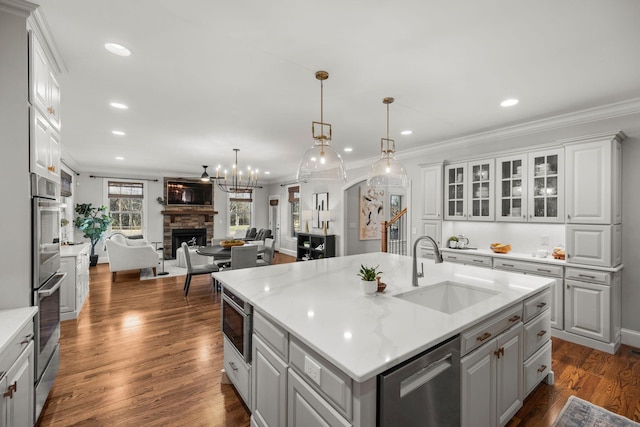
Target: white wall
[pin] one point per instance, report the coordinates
(15, 223)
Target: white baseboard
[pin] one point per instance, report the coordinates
(288, 252)
(630, 337)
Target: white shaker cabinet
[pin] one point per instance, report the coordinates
(269, 388)
(594, 245)
(44, 89)
(432, 192)
(45, 147)
(498, 363)
(592, 304)
(307, 408)
(74, 261)
(594, 175)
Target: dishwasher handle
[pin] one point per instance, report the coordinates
(425, 375)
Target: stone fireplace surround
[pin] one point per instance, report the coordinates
(180, 218)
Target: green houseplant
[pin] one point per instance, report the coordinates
(368, 279)
(93, 222)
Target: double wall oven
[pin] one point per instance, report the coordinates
(46, 284)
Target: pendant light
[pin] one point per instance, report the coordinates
(205, 175)
(321, 162)
(388, 173)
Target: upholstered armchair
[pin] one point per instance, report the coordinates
(130, 254)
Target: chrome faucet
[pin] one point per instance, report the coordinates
(438, 258)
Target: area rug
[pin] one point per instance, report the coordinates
(169, 266)
(580, 413)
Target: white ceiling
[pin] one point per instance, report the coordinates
(209, 76)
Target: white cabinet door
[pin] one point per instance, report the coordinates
(307, 408)
(269, 388)
(557, 304)
(546, 186)
(511, 188)
(588, 309)
(68, 286)
(54, 101)
(481, 189)
(432, 192)
(455, 192)
(594, 245)
(40, 156)
(478, 382)
(3, 402)
(509, 393)
(18, 394)
(592, 170)
(38, 74)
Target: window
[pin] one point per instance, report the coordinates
(240, 212)
(294, 210)
(126, 201)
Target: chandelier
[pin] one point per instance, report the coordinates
(321, 162)
(387, 172)
(238, 182)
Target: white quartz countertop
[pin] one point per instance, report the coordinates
(321, 303)
(12, 321)
(72, 250)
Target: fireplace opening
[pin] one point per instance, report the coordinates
(197, 235)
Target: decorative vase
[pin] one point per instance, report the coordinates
(369, 288)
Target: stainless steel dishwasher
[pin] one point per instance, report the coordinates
(424, 391)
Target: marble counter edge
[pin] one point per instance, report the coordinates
(12, 321)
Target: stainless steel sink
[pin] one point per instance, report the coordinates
(447, 297)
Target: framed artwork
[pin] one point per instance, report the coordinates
(320, 203)
(371, 213)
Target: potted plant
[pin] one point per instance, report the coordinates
(93, 222)
(368, 276)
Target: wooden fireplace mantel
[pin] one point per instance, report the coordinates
(205, 212)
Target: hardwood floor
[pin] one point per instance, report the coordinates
(141, 354)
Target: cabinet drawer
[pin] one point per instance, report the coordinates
(325, 378)
(593, 276)
(468, 259)
(12, 350)
(537, 304)
(307, 408)
(536, 333)
(528, 267)
(275, 336)
(237, 371)
(490, 328)
(537, 367)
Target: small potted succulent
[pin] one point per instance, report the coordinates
(368, 279)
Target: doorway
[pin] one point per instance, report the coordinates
(274, 220)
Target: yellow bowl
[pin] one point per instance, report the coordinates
(500, 248)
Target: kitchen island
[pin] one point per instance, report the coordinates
(327, 325)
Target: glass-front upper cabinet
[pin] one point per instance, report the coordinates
(469, 191)
(546, 186)
(455, 206)
(481, 191)
(511, 188)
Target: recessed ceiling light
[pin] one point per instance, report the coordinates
(348, 149)
(118, 132)
(119, 105)
(406, 132)
(119, 158)
(267, 173)
(509, 102)
(117, 49)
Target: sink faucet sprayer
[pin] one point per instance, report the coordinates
(438, 258)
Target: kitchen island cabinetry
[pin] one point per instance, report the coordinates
(74, 260)
(335, 343)
(17, 367)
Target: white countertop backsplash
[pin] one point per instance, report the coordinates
(321, 303)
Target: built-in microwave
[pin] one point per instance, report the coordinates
(237, 322)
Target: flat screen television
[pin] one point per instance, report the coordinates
(189, 193)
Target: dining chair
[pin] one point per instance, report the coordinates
(244, 256)
(268, 253)
(196, 270)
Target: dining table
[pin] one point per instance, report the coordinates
(223, 253)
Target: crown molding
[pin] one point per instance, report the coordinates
(604, 112)
(17, 7)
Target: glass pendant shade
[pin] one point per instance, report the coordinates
(389, 173)
(321, 163)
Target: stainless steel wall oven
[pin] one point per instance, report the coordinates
(46, 284)
(237, 322)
